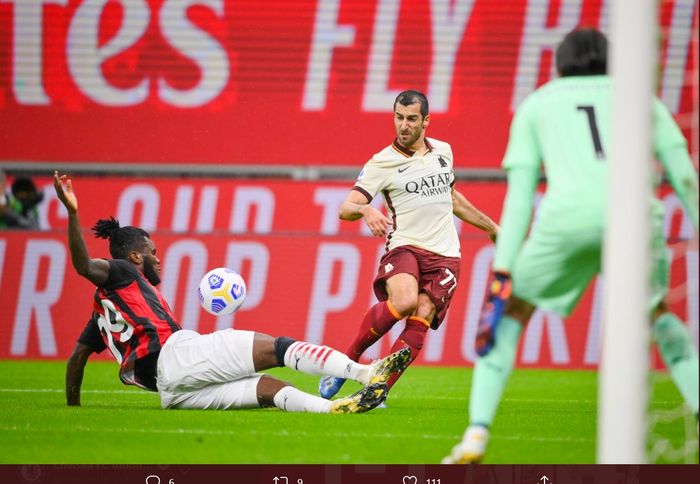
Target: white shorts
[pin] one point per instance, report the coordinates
(209, 371)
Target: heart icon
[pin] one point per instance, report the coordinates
(410, 480)
(153, 479)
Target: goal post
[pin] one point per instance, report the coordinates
(623, 373)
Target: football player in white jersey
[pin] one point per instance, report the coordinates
(420, 269)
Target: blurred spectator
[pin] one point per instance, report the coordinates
(18, 208)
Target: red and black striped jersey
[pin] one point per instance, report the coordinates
(134, 320)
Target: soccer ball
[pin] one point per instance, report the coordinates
(221, 291)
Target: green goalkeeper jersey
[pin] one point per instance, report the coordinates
(564, 126)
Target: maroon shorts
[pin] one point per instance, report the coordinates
(437, 275)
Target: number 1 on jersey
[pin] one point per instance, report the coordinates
(590, 113)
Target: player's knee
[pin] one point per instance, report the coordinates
(519, 309)
(405, 302)
(425, 308)
(267, 388)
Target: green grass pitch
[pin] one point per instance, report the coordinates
(547, 416)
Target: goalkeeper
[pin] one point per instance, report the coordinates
(565, 125)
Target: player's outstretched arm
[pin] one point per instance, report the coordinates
(94, 270)
(464, 209)
(75, 368)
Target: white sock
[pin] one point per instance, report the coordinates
(290, 399)
(322, 360)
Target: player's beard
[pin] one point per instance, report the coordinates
(149, 272)
(411, 137)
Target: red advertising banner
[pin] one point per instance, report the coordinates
(288, 82)
(308, 274)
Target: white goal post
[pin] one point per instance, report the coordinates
(623, 373)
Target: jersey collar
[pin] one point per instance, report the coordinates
(405, 151)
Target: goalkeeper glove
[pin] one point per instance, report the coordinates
(499, 292)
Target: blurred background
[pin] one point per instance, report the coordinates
(232, 130)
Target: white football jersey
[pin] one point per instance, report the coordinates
(417, 191)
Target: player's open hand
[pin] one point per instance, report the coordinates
(64, 190)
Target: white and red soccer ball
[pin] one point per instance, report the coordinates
(221, 291)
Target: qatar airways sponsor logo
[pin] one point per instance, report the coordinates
(431, 185)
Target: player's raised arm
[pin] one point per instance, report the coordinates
(464, 209)
(94, 270)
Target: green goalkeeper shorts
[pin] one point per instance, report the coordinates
(553, 271)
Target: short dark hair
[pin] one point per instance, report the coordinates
(406, 98)
(23, 184)
(122, 240)
(583, 52)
